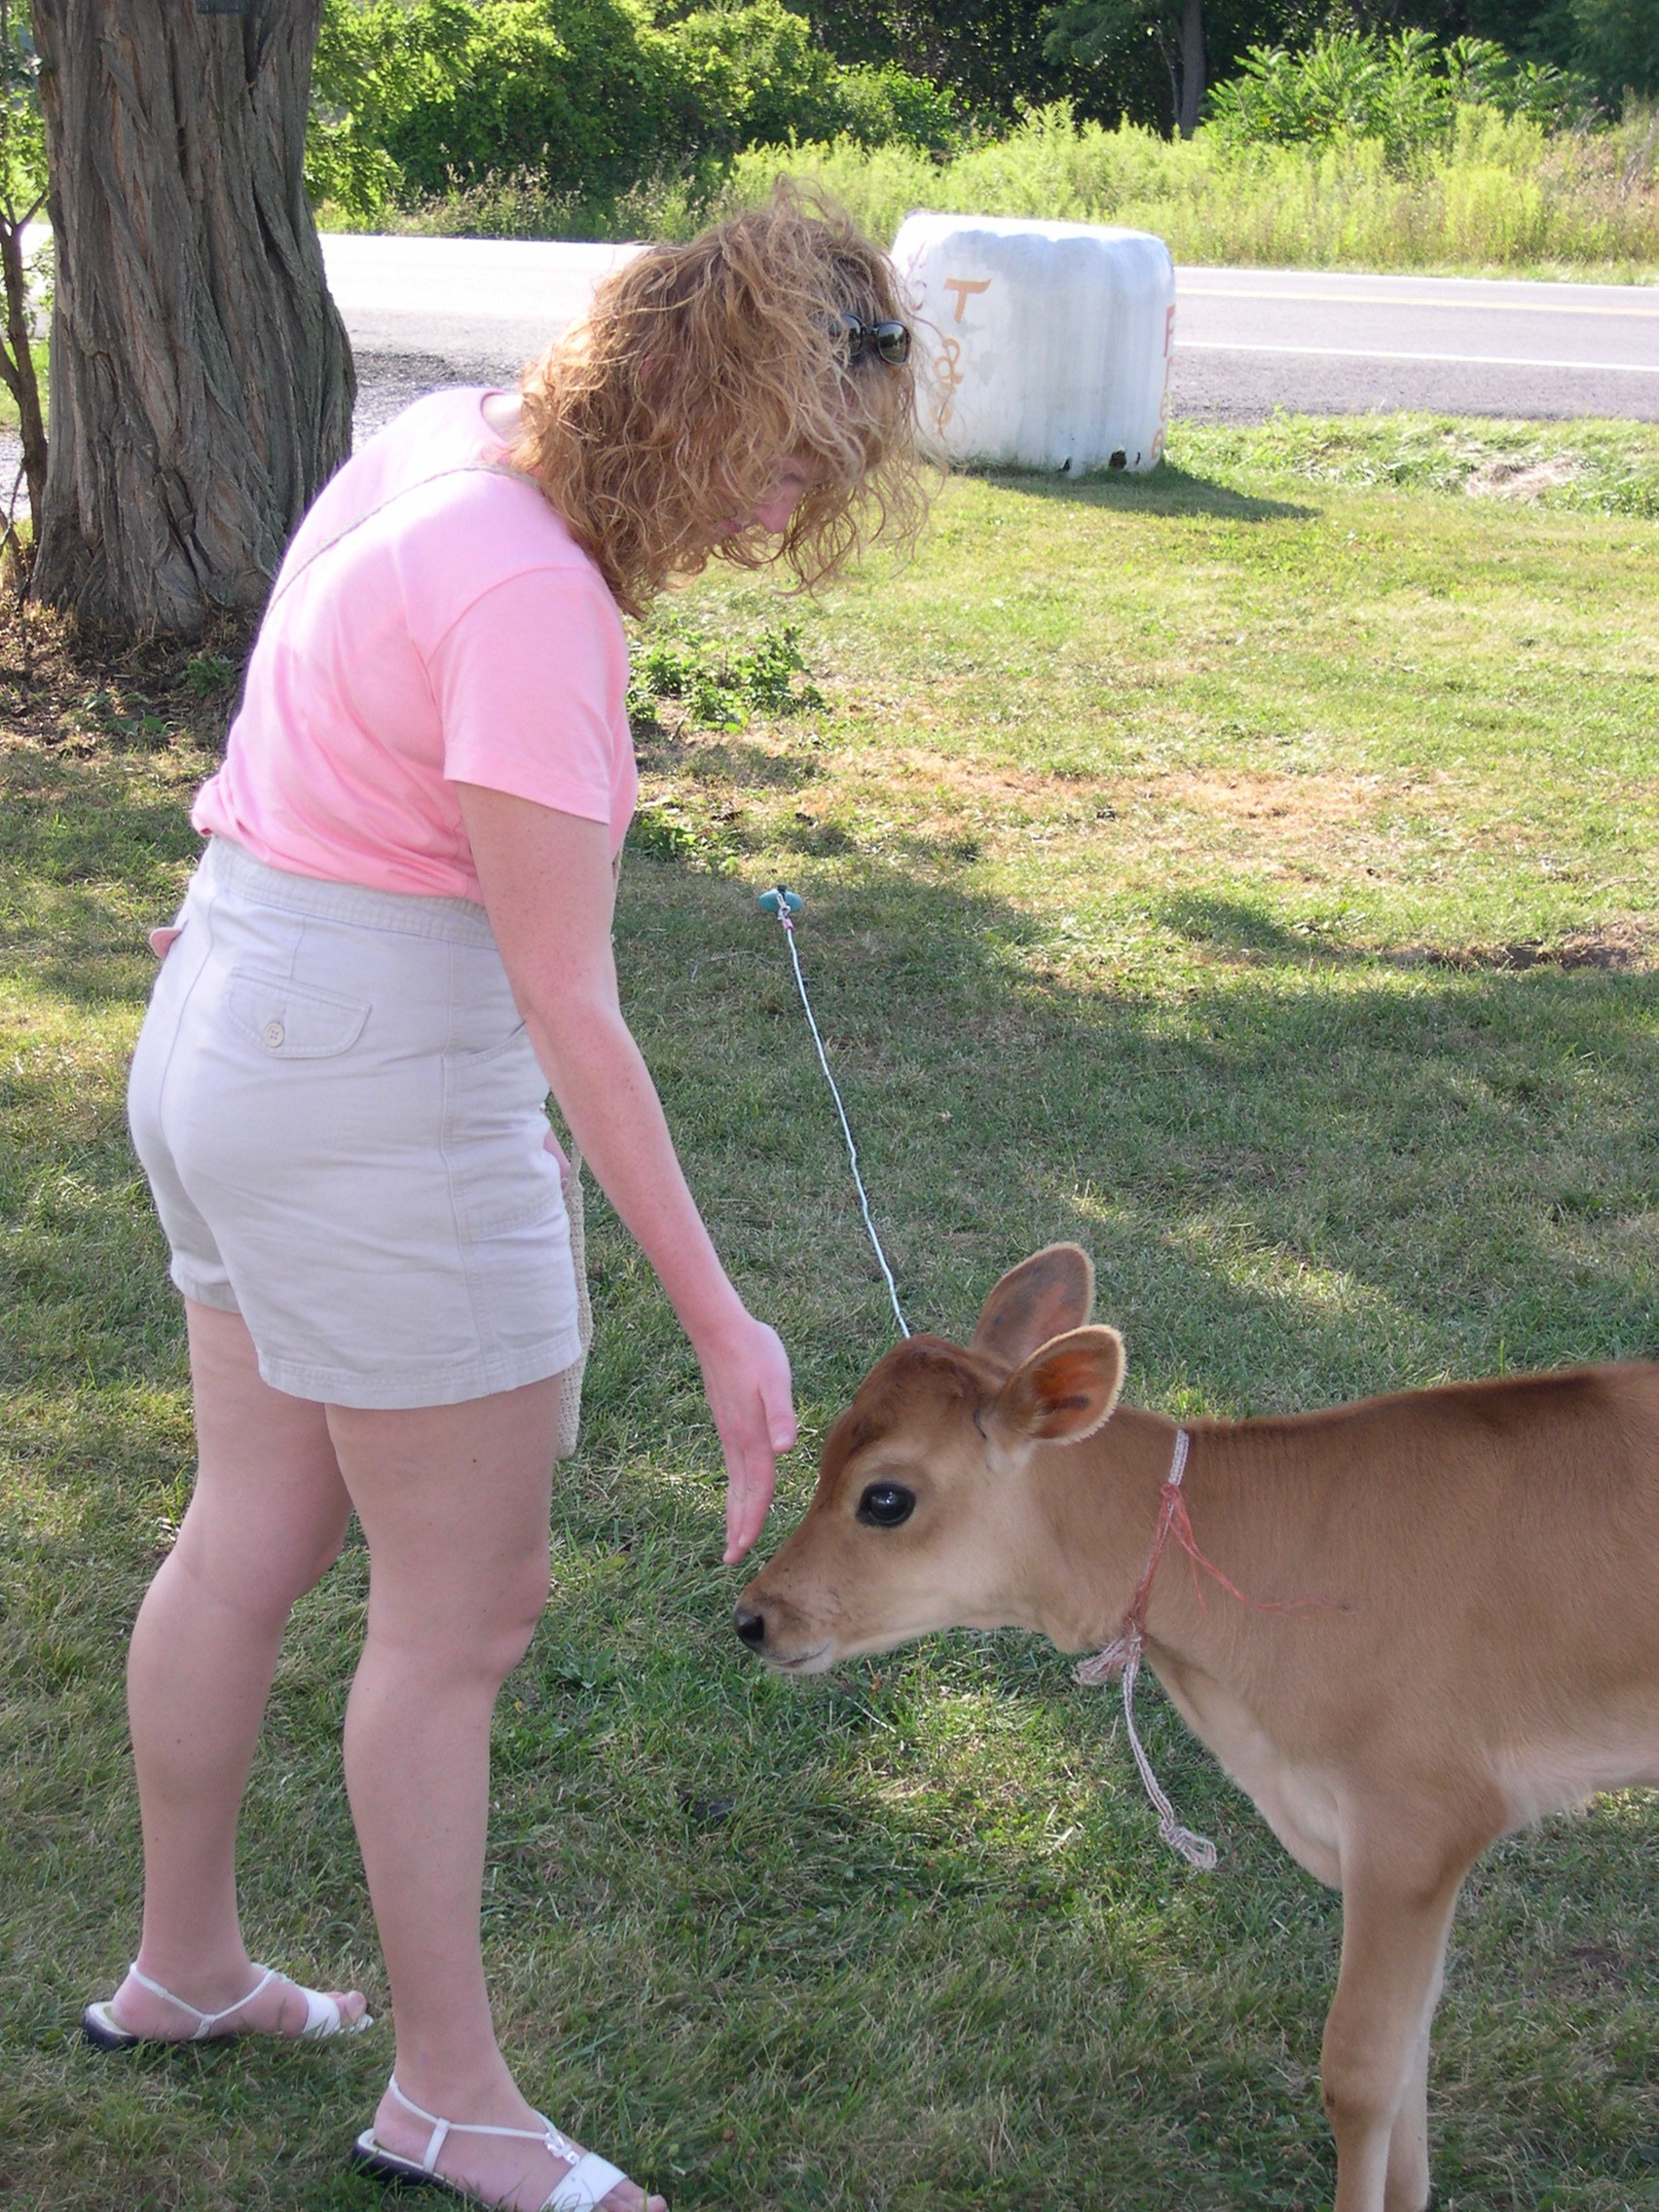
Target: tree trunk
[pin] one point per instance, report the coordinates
(202, 385)
(1191, 65)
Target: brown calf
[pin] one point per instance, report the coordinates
(1486, 1648)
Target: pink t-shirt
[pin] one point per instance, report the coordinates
(434, 623)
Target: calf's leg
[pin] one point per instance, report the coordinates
(1398, 1893)
(1407, 2187)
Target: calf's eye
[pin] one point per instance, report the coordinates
(884, 1505)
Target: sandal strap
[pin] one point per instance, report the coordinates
(587, 2184)
(206, 2022)
(323, 2016)
(547, 2135)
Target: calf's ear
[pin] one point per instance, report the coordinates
(1065, 1390)
(1050, 1292)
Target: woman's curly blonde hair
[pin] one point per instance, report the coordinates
(661, 420)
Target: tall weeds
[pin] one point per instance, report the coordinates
(1499, 194)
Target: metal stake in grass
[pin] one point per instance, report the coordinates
(785, 905)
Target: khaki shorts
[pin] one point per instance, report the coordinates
(346, 1134)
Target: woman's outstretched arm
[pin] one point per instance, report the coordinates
(547, 886)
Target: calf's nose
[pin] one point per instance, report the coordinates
(749, 1626)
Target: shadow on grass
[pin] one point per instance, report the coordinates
(1163, 491)
(1390, 1171)
(91, 868)
(1250, 933)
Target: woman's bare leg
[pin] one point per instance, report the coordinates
(264, 1521)
(454, 1500)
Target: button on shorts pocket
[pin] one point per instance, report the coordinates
(293, 1021)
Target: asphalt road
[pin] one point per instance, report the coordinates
(422, 311)
(1248, 339)
(425, 311)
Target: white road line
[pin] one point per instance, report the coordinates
(1376, 354)
(1382, 300)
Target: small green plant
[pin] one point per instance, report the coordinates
(670, 829)
(208, 673)
(129, 720)
(766, 675)
(662, 833)
(677, 662)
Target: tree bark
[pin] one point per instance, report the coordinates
(201, 383)
(1191, 65)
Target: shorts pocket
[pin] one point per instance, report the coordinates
(292, 1021)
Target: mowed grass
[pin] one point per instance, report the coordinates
(1250, 872)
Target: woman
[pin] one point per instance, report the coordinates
(399, 939)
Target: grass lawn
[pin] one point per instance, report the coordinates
(1250, 872)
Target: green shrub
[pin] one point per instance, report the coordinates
(455, 92)
(887, 106)
(578, 103)
(1617, 43)
(1405, 92)
(759, 75)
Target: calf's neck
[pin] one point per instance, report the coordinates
(1453, 1624)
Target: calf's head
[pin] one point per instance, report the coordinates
(924, 1517)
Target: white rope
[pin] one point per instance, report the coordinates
(846, 1125)
(1196, 1850)
(1123, 1656)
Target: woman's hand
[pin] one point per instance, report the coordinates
(746, 1375)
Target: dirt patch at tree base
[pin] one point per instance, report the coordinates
(69, 687)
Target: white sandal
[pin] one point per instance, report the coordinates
(585, 2187)
(323, 2016)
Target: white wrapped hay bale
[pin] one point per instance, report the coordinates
(1044, 345)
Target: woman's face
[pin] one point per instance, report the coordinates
(797, 477)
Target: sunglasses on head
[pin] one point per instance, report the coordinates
(889, 342)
